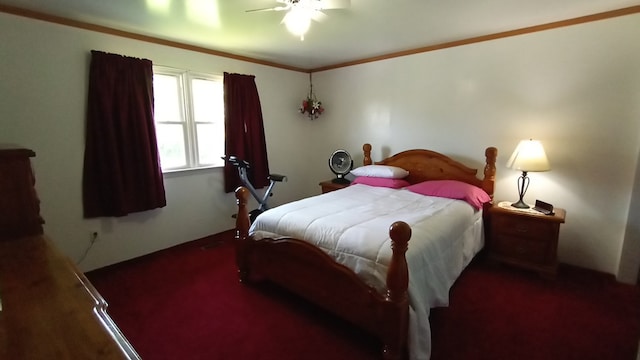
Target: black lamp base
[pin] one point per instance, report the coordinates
(523, 185)
(520, 205)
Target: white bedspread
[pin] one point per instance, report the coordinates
(352, 225)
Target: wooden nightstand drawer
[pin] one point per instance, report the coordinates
(523, 227)
(533, 250)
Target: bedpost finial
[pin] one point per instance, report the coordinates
(400, 233)
(366, 148)
(491, 153)
(242, 217)
(488, 182)
(398, 273)
(242, 195)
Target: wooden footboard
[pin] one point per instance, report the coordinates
(311, 273)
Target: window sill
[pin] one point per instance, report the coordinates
(189, 171)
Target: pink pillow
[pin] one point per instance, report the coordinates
(452, 189)
(381, 182)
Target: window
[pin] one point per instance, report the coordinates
(189, 118)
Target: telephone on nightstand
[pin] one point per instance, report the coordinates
(543, 207)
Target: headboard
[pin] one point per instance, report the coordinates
(430, 165)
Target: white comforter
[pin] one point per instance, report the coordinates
(352, 225)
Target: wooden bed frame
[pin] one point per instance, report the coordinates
(309, 272)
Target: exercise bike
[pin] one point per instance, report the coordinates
(243, 166)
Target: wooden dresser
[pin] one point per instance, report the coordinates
(48, 308)
(19, 204)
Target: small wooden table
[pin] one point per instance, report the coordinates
(524, 238)
(329, 185)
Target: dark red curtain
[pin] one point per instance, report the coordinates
(244, 131)
(122, 172)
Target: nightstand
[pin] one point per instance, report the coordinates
(524, 238)
(329, 185)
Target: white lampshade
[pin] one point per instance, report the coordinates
(528, 156)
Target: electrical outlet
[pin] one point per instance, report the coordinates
(93, 236)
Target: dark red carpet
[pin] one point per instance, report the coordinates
(186, 303)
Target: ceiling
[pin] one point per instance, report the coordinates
(368, 28)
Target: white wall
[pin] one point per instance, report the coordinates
(577, 89)
(42, 107)
(630, 261)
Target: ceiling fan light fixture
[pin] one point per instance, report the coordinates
(300, 13)
(298, 21)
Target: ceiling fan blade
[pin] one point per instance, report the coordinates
(334, 4)
(318, 16)
(285, 17)
(277, 8)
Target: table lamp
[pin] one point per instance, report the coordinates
(528, 156)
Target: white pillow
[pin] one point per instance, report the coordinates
(383, 171)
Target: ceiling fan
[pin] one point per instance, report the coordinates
(301, 12)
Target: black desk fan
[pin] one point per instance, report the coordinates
(340, 163)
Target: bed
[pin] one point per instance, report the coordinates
(372, 286)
